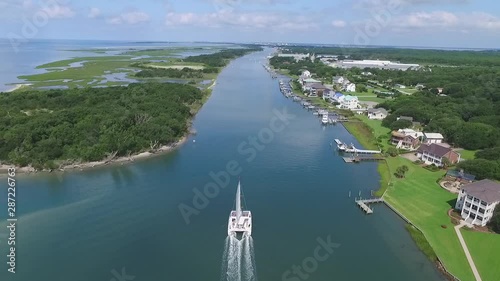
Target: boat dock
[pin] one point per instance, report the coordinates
(352, 149)
(359, 159)
(363, 204)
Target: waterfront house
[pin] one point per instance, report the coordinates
(433, 138)
(435, 153)
(377, 113)
(337, 97)
(349, 102)
(406, 139)
(477, 201)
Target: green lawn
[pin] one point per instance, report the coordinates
(467, 154)
(425, 204)
(485, 251)
(419, 198)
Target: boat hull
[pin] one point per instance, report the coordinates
(241, 227)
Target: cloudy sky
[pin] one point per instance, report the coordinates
(436, 23)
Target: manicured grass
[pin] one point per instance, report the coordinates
(467, 154)
(419, 198)
(385, 178)
(485, 251)
(374, 99)
(362, 132)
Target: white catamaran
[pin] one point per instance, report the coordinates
(240, 222)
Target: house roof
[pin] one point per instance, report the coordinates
(486, 190)
(377, 110)
(317, 86)
(310, 80)
(406, 118)
(435, 149)
(433, 136)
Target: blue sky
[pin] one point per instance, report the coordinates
(440, 23)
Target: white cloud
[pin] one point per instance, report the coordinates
(94, 13)
(247, 20)
(129, 18)
(339, 23)
(439, 20)
(58, 11)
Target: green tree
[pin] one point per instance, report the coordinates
(392, 151)
(401, 124)
(495, 220)
(481, 168)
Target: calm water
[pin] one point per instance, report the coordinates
(29, 55)
(83, 225)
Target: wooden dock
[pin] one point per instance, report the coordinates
(359, 159)
(363, 204)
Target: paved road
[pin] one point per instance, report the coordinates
(466, 250)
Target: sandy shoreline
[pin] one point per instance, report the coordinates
(87, 165)
(17, 87)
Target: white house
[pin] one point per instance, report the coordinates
(377, 113)
(349, 102)
(435, 153)
(433, 138)
(339, 80)
(477, 201)
(306, 74)
(351, 87)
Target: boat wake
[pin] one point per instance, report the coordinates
(238, 262)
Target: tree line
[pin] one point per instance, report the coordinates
(45, 128)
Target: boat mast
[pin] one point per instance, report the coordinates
(238, 203)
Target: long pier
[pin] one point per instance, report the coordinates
(363, 204)
(352, 149)
(358, 159)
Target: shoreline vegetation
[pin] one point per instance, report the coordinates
(51, 153)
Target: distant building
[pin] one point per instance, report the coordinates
(297, 57)
(380, 64)
(420, 86)
(401, 86)
(339, 80)
(377, 113)
(477, 201)
(435, 153)
(433, 138)
(351, 87)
